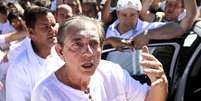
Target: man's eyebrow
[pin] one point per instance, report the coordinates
(77, 39)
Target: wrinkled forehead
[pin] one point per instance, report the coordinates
(84, 29)
(88, 33)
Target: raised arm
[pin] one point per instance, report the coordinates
(154, 70)
(167, 31)
(191, 11)
(145, 14)
(106, 16)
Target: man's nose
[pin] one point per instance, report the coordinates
(88, 51)
(53, 30)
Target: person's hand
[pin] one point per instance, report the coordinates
(141, 40)
(153, 68)
(1, 85)
(119, 43)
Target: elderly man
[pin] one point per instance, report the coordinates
(84, 77)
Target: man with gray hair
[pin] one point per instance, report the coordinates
(85, 77)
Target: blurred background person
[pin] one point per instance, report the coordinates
(74, 4)
(63, 12)
(90, 8)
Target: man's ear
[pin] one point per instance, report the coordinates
(31, 31)
(59, 50)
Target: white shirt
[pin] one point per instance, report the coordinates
(25, 70)
(109, 83)
(53, 5)
(6, 28)
(141, 26)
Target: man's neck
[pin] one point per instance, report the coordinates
(41, 51)
(76, 83)
(123, 29)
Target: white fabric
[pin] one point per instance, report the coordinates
(109, 83)
(2, 40)
(5, 65)
(53, 5)
(26, 69)
(4, 29)
(135, 4)
(50, 61)
(3, 70)
(129, 60)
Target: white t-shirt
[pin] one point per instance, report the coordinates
(25, 70)
(109, 83)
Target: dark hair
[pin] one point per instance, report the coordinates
(3, 9)
(81, 20)
(10, 4)
(31, 14)
(198, 2)
(14, 15)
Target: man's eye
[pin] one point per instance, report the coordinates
(77, 45)
(94, 44)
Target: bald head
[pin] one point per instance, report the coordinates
(63, 12)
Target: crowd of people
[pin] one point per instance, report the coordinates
(50, 50)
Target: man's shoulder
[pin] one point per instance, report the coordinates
(112, 26)
(19, 52)
(46, 82)
(108, 67)
(105, 64)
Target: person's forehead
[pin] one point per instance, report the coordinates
(89, 30)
